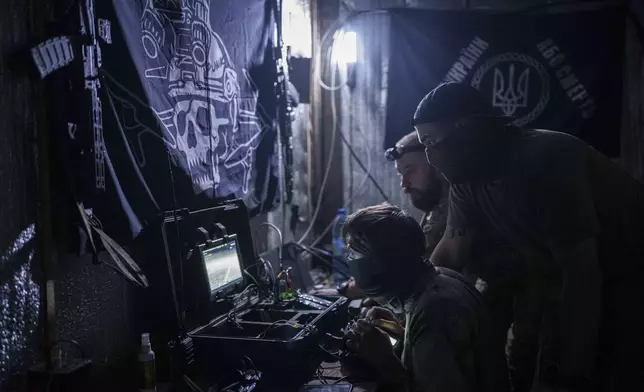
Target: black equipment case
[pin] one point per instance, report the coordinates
(245, 325)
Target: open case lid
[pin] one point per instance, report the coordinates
(188, 252)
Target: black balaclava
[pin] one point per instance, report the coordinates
(473, 142)
(471, 158)
(387, 272)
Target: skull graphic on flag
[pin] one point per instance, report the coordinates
(207, 121)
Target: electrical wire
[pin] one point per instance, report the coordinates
(249, 287)
(227, 388)
(252, 278)
(268, 268)
(267, 265)
(335, 131)
(191, 384)
(367, 171)
(331, 32)
(339, 380)
(323, 44)
(247, 358)
(353, 196)
(281, 238)
(314, 253)
(277, 323)
(319, 375)
(337, 25)
(327, 171)
(335, 355)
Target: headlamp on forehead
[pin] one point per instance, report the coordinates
(397, 152)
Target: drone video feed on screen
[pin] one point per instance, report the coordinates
(222, 264)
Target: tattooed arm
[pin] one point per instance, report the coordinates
(453, 249)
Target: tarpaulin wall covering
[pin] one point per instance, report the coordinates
(20, 21)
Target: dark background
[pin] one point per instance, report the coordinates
(426, 43)
(94, 305)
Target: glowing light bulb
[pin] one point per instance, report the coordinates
(345, 48)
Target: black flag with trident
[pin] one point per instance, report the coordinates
(555, 71)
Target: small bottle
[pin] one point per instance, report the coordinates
(281, 289)
(147, 365)
(339, 250)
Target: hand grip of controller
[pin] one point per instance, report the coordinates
(391, 327)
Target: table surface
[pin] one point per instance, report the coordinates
(334, 373)
(329, 373)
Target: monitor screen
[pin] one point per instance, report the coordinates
(222, 264)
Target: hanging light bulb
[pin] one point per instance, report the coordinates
(345, 48)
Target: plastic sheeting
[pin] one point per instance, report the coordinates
(19, 304)
(21, 21)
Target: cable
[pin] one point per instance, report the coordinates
(318, 375)
(366, 170)
(339, 380)
(326, 262)
(327, 170)
(227, 388)
(250, 361)
(252, 277)
(332, 29)
(362, 184)
(173, 286)
(268, 266)
(281, 238)
(277, 323)
(319, 251)
(293, 256)
(334, 355)
(191, 384)
(249, 287)
(331, 32)
(269, 271)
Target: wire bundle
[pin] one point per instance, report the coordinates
(331, 34)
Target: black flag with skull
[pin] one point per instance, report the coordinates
(190, 124)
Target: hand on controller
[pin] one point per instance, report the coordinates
(369, 302)
(370, 344)
(385, 320)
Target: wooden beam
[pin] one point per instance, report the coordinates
(323, 14)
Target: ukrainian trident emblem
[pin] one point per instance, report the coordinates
(509, 94)
(509, 79)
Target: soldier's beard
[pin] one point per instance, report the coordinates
(427, 199)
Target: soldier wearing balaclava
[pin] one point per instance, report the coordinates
(447, 328)
(576, 216)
